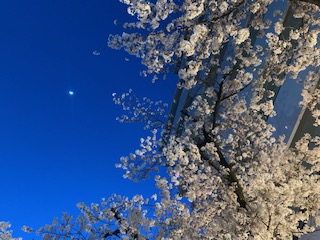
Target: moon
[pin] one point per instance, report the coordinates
(71, 93)
(96, 53)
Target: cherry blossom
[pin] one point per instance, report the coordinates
(224, 173)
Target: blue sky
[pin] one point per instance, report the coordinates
(57, 149)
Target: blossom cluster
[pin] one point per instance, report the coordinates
(227, 174)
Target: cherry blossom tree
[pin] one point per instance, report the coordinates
(5, 233)
(227, 175)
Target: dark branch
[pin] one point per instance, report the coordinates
(117, 232)
(232, 94)
(228, 12)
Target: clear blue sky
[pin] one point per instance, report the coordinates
(57, 149)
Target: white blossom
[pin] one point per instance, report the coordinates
(242, 35)
(223, 173)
